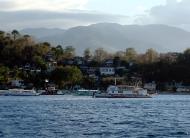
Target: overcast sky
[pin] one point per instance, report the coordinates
(19, 14)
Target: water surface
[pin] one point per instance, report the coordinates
(80, 117)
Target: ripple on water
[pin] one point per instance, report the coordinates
(45, 116)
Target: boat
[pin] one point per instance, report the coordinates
(20, 92)
(3, 92)
(183, 89)
(50, 90)
(123, 91)
(85, 92)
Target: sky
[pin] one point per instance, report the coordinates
(19, 14)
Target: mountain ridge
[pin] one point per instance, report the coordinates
(114, 37)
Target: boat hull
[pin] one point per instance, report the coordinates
(121, 96)
(85, 92)
(12, 94)
(19, 92)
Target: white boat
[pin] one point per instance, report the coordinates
(85, 92)
(21, 92)
(183, 89)
(3, 92)
(124, 91)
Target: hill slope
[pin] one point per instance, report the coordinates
(115, 37)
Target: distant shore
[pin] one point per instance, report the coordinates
(173, 93)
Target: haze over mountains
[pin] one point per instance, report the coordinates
(113, 37)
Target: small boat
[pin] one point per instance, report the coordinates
(183, 89)
(85, 92)
(20, 92)
(3, 92)
(123, 91)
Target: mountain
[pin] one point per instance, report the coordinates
(114, 37)
(40, 33)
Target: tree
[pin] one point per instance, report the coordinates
(69, 51)
(15, 34)
(130, 55)
(100, 54)
(66, 76)
(2, 34)
(185, 57)
(4, 74)
(151, 56)
(87, 54)
(58, 52)
(39, 62)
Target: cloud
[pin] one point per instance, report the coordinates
(52, 5)
(50, 19)
(174, 12)
(19, 14)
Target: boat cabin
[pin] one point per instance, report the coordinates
(125, 89)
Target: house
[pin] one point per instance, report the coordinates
(68, 62)
(17, 83)
(49, 57)
(90, 71)
(150, 86)
(51, 66)
(107, 71)
(79, 61)
(171, 56)
(109, 63)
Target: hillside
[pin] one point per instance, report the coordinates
(115, 37)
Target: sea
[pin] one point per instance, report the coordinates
(163, 116)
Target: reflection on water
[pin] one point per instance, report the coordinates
(68, 116)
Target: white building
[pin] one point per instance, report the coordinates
(150, 86)
(107, 70)
(17, 83)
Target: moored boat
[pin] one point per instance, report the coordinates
(20, 92)
(124, 91)
(3, 92)
(85, 92)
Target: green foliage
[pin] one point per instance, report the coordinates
(151, 56)
(130, 55)
(69, 52)
(58, 52)
(87, 54)
(4, 72)
(16, 51)
(39, 62)
(66, 76)
(100, 54)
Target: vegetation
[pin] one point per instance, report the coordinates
(23, 58)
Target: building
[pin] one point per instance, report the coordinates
(171, 56)
(107, 71)
(17, 83)
(150, 86)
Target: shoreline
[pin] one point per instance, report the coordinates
(173, 93)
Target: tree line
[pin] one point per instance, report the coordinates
(17, 51)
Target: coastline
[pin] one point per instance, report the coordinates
(172, 93)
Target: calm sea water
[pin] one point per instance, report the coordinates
(74, 117)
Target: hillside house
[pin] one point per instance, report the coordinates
(108, 71)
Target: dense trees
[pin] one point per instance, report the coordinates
(100, 54)
(130, 55)
(66, 76)
(4, 72)
(18, 53)
(87, 54)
